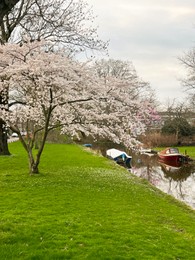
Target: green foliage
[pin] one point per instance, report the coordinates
(83, 206)
(178, 126)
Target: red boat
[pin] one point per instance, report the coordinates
(172, 156)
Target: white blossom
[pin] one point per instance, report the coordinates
(50, 90)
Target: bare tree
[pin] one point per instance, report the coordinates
(67, 22)
(5, 7)
(188, 61)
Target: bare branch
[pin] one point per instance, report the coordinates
(5, 7)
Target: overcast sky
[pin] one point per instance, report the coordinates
(152, 34)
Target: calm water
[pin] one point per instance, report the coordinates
(178, 181)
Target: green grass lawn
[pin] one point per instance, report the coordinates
(190, 150)
(83, 206)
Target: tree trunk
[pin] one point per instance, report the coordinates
(177, 135)
(3, 130)
(33, 165)
(34, 169)
(5, 7)
(3, 139)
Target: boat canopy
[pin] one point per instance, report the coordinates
(114, 154)
(171, 150)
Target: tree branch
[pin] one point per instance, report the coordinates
(5, 7)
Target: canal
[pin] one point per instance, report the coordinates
(176, 180)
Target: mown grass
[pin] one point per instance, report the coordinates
(189, 150)
(83, 206)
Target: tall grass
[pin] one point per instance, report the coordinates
(83, 206)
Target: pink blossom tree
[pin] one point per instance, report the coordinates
(64, 22)
(48, 90)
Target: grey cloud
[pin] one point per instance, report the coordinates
(152, 34)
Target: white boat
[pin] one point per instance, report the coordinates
(119, 157)
(148, 152)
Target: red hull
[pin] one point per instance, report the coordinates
(172, 156)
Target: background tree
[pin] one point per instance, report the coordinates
(67, 22)
(176, 120)
(51, 90)
(124, 70)
(5, 7)
(188, 61)
(135, 88)
(178, 126)
(64, 22)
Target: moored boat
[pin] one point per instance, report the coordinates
(148, 152)
(119, 157)
(172, 155)
(171, 164)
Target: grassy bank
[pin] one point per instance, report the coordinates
(83, 206)
(190, 150)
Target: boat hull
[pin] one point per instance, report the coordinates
(174, 158)
(120, 157)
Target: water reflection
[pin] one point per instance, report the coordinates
(176, 179)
